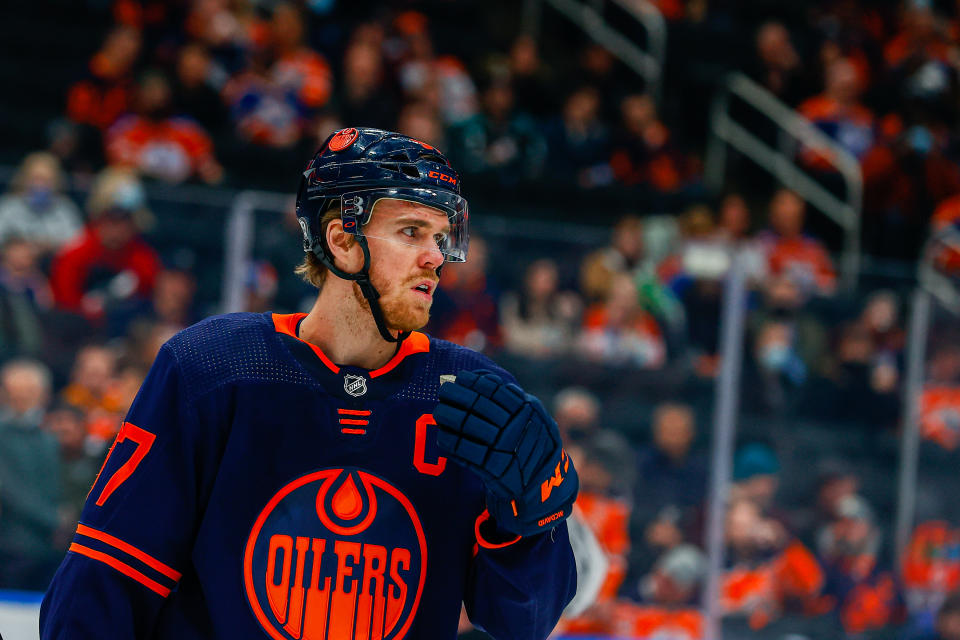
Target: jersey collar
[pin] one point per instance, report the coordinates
(416, 342)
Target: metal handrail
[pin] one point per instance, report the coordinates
(781, 163)
(932, 286)
(648, 64)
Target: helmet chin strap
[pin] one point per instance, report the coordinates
(362, 278)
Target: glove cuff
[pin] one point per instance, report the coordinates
(495, 537)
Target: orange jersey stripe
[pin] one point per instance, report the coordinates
(355, 432)
(148, 560)
(354, 412)
(125, 569)
(352, 421)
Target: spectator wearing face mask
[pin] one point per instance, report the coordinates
(577, 412)
(36, 209)
(779, 369)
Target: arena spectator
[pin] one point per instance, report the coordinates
(906, 174)
(791, 253)
(624, 254)
(272, 100)
(499, 141)
(578, 141)
(779, 67)
(784, 303)
(91, 385)
(619, 332)
(921, 59)
(197, 86)
(420, 121)
(768, 573)
(173, 298)
(863, 385)
(80, 459)
(676, 577)
(670, 487)
(577, 412)
(441, 81)
(757, 478)
(643, 151)
(35, 208)
(25, 299)
(224, 28)
(881, 317)
(105, 93)
(779, 366)
(865, 596)
(29, 479)
(539, 320)
(110, 266)
(839, 113)
(669, 472)
(365, 95)
(158, 144)
(532, 80)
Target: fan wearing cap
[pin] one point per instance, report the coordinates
(334, 474)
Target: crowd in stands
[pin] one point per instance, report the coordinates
(241, 93)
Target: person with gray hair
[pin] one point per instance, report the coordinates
(29, 478)
(577, 412)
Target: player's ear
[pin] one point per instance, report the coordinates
(344, 249)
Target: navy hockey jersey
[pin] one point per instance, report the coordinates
(258, 490)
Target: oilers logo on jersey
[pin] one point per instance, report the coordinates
(337, 553)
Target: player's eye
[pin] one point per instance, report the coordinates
(440, 239)
(410, 232)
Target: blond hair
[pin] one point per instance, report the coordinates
(19, 181)
(109, 189)
(311, 270)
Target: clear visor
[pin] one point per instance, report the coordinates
(414, 217)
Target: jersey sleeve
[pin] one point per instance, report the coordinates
(519, 590)
(135, 532)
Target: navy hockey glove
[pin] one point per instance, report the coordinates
(507, 438)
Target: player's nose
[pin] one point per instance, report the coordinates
(431, 257)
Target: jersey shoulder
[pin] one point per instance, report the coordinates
(443, 359)
(233, 347)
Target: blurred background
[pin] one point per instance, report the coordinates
(717, 237)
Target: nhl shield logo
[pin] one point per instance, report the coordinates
(354, 385)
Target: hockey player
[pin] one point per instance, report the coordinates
(287, 476)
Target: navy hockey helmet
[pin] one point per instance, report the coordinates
(357, 167)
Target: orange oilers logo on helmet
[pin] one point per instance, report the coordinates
(343, 139)
(436, 175)
(337, 553)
